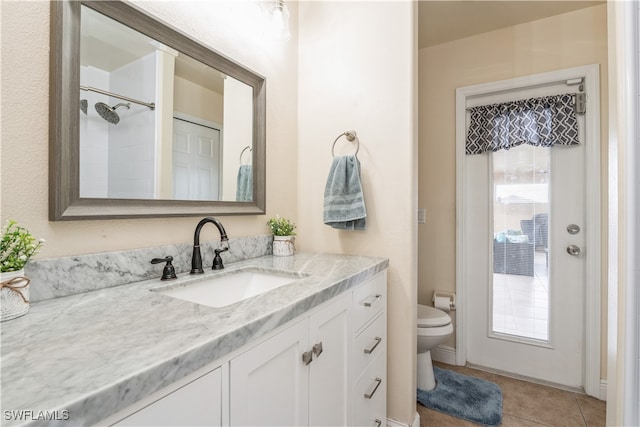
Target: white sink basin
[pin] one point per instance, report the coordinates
(223, 289)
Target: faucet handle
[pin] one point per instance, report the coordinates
(217, 260)
(169, 272)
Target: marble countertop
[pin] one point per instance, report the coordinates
(95, 353)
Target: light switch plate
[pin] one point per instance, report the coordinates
(422, 216)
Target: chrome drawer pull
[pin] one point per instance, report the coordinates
(370, 350)
(378, 422)
(317, 349)
(307, 357)
(370, 395)
(375, 299)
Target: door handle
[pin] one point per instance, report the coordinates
(573, 250)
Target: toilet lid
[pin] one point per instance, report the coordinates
(430, 317)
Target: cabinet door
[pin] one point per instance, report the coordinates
(270, 383)
(329, 385)
(198, 403)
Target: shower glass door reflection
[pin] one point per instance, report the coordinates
(520, 291)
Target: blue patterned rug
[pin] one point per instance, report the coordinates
(462, 396)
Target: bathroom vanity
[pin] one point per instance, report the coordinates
(311, 352)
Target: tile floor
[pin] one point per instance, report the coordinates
(526, 405)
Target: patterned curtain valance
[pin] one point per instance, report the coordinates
(542, 122)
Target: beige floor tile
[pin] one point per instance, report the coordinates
(593, 410)
(514, 421)
(545, 405)
(431, 418)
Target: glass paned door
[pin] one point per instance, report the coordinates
(521, 206)
(525, 243)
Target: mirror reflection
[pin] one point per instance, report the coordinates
(157, 124)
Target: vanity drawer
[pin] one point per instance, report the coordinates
(371, 395)
(369, 300)
(370, 343)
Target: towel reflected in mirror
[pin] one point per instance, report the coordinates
(244, 186)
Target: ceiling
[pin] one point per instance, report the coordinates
(443, 21)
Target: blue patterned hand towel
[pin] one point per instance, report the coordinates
(244, 188)
(343, 196)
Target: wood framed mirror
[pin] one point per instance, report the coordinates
(146, 122)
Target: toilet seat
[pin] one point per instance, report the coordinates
(430, 317)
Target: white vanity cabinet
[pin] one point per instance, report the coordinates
(343, 384)
(326, 367)
(299, 376)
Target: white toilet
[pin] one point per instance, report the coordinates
(434, 326)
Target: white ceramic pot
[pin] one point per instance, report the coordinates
(14, 295)
(283, 245)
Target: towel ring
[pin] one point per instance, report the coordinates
(351, 136)
(242, 152)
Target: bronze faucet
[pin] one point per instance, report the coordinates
(196, 258)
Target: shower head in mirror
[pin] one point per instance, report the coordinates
(109, 113)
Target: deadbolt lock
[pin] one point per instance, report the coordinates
(573, 229)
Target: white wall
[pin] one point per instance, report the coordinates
(94, 136)
(164, 99)
(24, 184)
(133, 140)
(357, 71)
(237, 133)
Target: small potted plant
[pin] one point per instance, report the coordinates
(16, 248)
(283, 231)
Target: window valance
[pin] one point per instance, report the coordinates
(543, 122)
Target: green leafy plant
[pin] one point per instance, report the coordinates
(281, 226)
(16, 247)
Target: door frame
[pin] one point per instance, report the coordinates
(592, 323)
(623, 355)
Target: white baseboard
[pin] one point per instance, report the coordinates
(444, 354)
(603, 390)
(394, 423)
(416, 420)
